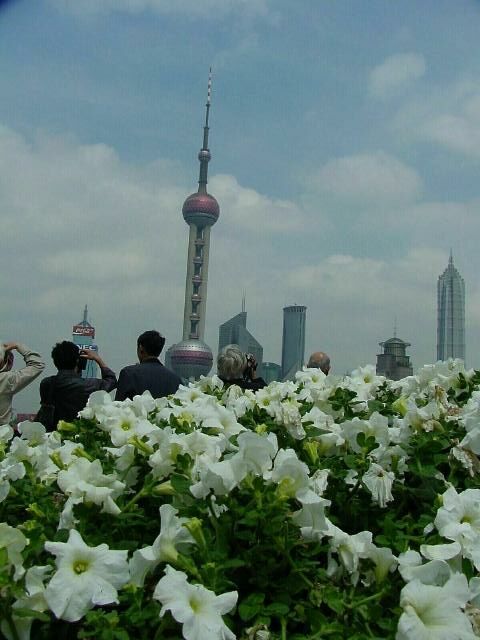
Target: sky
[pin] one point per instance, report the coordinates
(345, 141)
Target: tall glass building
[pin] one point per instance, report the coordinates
(234, 331)
(450, 314)
(293, 343)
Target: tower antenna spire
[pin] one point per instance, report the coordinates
(204, 155)
(85, 314)
(450, 259)
(243, 301)
(395, 326)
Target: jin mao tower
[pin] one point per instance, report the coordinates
(191, 357)
(450, 314)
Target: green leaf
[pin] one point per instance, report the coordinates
(251, 606)
(24, 612)
(181, 484)
(277, 609)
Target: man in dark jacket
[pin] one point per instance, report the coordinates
(149, 374)
(68, 391)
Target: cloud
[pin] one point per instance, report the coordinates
(449, 117)
(458, 131)
(208, 9)
(368, 179)
(395, 74)
(249, 211)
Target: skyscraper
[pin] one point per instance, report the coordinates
(83, 334)
(293, 344)
(234, 331)
(191, 357)
(450, 314)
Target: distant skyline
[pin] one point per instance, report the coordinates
(345, 139)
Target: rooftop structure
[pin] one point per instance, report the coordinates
(394, 363)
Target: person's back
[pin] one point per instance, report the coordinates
(67, 391)
(149, 374)
(11, 382)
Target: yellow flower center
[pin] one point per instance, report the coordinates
(80, 566)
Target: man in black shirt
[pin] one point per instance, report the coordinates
(149, 374)
(68, 391)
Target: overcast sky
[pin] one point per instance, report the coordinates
(345, 140)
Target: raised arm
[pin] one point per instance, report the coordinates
(34, 366)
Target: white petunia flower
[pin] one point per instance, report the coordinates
(410, 567)
(350, 548)
(85, 577)
(257, 451)
(376, 427)
(220, 477)
(198, 609)
(379, 482)
(289, 473)
(125, 425)
(14, 542)
(86, 480)
(34, 600)
(459, 520)
(311, 517)
(10, 470)
(435, 613)
(384, 560)
(174, 537)
(440, 551)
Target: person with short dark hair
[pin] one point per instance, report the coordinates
(149, 374)
(67, 390)
(11, 382)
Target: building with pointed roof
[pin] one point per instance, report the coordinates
(191, 357)
(450, 313)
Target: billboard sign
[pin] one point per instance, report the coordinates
(87, 347)
(80, 330)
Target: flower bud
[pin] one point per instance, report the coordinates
(164, 489)
(194, 527)
(67, 427)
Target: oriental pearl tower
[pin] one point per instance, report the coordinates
(191, 357)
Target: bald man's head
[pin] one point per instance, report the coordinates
(319, 360)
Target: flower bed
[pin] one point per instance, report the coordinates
(325, 508)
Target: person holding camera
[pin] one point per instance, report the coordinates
(236, 367)
(62, 396)
(11, 382)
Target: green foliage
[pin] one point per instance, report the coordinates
(284, 582)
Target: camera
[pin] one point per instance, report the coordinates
(82, 362)
(251, 367)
